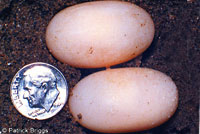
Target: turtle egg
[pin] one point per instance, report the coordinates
(99, 34)
(124, 100)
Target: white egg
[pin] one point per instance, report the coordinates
(124, 100)
(99, 34)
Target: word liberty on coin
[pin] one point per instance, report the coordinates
(39, 91)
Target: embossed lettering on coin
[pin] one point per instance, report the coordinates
(39, 91)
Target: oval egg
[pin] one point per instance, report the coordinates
(99, 34)
(124, 100)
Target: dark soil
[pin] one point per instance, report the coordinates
(175, 51)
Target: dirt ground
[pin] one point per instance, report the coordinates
(175, 51)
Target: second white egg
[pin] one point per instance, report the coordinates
(124, 100)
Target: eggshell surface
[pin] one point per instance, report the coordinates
(99, 34)
(124, 100)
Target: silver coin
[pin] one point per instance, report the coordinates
(39, 91)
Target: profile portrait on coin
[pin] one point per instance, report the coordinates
(40, 87)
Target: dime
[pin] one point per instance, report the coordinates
(39, 91)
